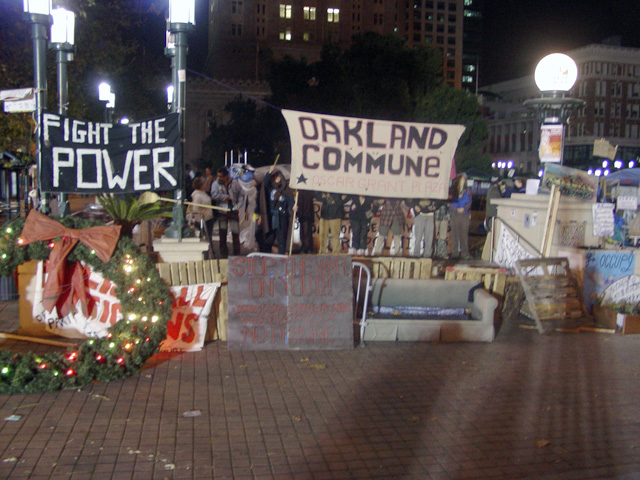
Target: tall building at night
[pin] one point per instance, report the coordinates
(245, 34)
(608, 82)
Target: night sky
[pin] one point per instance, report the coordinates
(518, 33)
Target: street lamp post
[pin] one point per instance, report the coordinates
(555, 75)
(181, 21)
(39, 15)
(106, 96)
(62, 42)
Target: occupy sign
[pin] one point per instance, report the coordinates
(89, 157)
(371, 157)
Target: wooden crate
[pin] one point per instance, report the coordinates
(401, 267)
(494, 279)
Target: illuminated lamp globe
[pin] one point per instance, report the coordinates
(556, 72)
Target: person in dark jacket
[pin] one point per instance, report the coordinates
(360, 214)
(330, 218)
(276, 207)
(306, 216)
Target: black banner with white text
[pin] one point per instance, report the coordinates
(90, 157)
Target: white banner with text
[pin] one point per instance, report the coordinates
(379, 158)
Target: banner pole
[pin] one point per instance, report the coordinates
(293, 222)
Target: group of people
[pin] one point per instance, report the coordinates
(277, 205)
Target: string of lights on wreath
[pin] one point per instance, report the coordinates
(146, 309)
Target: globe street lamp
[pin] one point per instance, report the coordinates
(181, 21)
(62, 42)
(555, 75)
(39, 15)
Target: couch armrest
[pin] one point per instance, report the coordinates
(484, 306)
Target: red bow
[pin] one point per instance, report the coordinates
(103, 240)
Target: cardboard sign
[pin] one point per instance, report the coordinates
(570, 181)
(603, 223)
(302, 302)
(90, 157)
(371, 157)
(186, 330)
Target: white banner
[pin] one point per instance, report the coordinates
(378, 158)
(508, 250)
(186, 330)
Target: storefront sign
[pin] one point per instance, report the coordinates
(302, 302)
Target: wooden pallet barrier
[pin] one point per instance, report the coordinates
(494, 279)
(552, 292)
(401, 267)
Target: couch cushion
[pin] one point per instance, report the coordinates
(421, 292)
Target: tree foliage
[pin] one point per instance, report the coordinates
(378, 77)
(119, 41)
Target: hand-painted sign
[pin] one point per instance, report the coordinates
(89, 157)
(294, 303)
(186, 330)
(371, 157)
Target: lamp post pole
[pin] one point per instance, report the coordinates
(62, 39)
(181, 21)
(555, 75)
(38, 14)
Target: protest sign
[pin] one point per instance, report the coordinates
(371, 157)
(508, 249)
(603, 269)
(570, 181)
(89, 157)
(603, 224)
(186, 330)
(294, 303)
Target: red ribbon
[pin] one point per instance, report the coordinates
(103, 240)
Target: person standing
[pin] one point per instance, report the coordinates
(391, 218)
(460, 217)
(423, 227)
(195, 212)
(306, 216)
(360, 213)
(491, 210)
(441, 217)
(331, 214)
(226, 192)
(208, 179)
(276, 206)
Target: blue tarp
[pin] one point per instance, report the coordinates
(628, 176)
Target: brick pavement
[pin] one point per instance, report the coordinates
(526, 406)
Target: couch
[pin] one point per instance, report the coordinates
(465, 311)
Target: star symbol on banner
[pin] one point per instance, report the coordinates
(302, 178)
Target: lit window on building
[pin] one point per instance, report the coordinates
(285, 11)
(285, 35)
(309, 13)
(333, 15)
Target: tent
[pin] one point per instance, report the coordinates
(628, 176)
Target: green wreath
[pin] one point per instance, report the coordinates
(146, 309)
